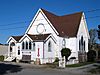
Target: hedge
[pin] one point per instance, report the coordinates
(1, 58)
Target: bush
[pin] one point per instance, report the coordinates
(56, 59)
(66, 52)
(91, 56)
(1, 58)
(99, 54)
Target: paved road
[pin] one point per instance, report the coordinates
(40, 72)
(29, 69)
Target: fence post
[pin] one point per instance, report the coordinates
(62, 62)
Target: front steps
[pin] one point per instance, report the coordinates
(9, 59)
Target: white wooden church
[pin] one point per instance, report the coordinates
(47, 34)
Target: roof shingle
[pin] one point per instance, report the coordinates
(38, 37)
(17, 38)
(66, 25)
(33, 37)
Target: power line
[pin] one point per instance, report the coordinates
(14, 23)
(14, 28)
(30, 21)
(93, 17)
(93, 10)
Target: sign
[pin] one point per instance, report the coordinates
(62, 62)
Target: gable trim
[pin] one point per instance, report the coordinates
(52, 37)
(40, 11)
(10, 39)
(49, 22)
(85, 24)
(25, 37)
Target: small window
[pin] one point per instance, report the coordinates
(26, 45)
(23, 45)
(34, 46)
(79, 45)
(82, 40)
(84, 45)
(10, 49)
(49, 46)
(30, 46)
(18, 52)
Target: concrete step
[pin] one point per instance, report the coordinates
(9, 59)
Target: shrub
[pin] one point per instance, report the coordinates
(1, 58)
(56, 59)
(91, 56)
(99, 54)
(66, 52)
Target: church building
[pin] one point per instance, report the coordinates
(47, 35)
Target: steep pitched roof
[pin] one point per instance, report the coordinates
(66, 25)
(17, 38)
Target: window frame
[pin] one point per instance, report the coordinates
(49, 46)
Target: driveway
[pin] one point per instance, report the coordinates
(11, 68)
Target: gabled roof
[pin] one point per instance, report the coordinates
(33, 37)
(66, 25)
(38, 37)
(17, 38)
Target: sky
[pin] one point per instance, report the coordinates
(15, 15)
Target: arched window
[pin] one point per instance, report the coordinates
(34, 46)
(82, 40)
(23, 47)
(12, 44)
(30, 46)
(10, 49)
(26, 45)
(18, 52)
(84, 45)
(49, 46)
(79, 45)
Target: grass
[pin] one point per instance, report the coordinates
(79, 64)
(1, 58)
(52, 65)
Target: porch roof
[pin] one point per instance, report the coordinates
(33, 37)
(38, 37)
(17, 38)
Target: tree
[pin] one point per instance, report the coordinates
(93, 38)
(91, 55)
(98, 32)
(66, 52)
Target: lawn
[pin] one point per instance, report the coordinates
(79, 64)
